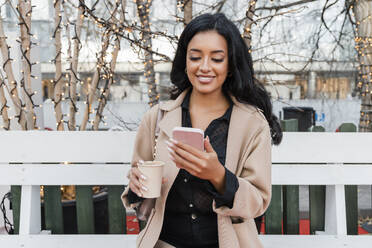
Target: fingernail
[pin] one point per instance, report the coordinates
(141, 161)
(173, 141)
(170, 150)
(171, 157)
(169, 143)
(144, 188)
(140, 194)
(143, 177)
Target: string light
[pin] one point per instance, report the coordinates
(363, 47)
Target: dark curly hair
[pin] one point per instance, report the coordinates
(242, 83)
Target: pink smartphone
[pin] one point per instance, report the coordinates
(191, 136)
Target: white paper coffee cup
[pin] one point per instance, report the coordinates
(153, 171)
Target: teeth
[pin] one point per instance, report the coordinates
(205, 79)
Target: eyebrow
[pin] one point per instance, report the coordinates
(214, 51)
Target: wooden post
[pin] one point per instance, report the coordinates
(274, 215)
(30, 212)
(291, 209)
(16, 206)
(53, 209)
(85, 209)
(351, 193)
(317, 200)
(116, 211)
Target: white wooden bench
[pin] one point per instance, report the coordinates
(332, 159)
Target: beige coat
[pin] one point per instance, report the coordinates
(248, 155)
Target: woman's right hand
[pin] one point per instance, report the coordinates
(135, 180)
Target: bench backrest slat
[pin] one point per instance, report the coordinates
(306, 147)
(90, 146)
(54, 146)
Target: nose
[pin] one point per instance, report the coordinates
(205, 67)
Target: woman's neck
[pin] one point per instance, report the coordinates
(209, 102)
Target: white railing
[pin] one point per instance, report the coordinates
(302, 159)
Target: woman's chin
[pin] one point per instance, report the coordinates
(205, 88)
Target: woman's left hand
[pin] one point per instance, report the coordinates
(202, 164)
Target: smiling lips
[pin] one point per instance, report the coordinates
(205, 79)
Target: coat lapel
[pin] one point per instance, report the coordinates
(234, 138)
(173, 114)
(172, 118)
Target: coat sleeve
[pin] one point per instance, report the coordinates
(143, 148)
(253, 195)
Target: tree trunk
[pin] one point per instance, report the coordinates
(12, 84)
(24, 9)
(58, 76)
(247, 34)
(362, 11)
(187, 12)
(103, 98)
(143, 9)
(73, 67)
(4, 108)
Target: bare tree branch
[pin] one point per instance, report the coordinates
(126, 31)
(104, 95)
(101, 67)
(247, 34)
(285, 6)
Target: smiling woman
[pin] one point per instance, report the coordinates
(209, 198)
(207, 62)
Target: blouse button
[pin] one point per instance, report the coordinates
(185, 180)
(193, 216)
(191, 205)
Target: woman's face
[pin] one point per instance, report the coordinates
(207, 62)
